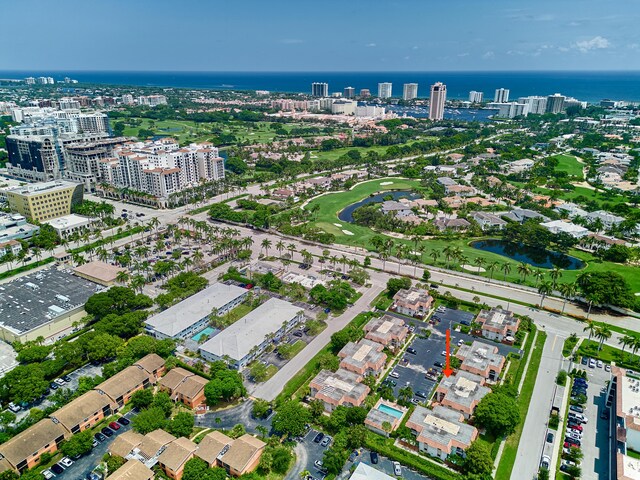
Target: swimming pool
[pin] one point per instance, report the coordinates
(207, 332)
(390, 410)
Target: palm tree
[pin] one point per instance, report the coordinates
(138, 282)
(479, 262)
(524, 269)
(591, 328)
(555, 274)
(603, 333)
(506, 268)
(491, 268)
(280, 246)
(567, 290)
(292, 248)
(435, 255)
(448, 254)
(122, 277)
(544, 289)
(626, 341)
(539, 275)
(266, 243)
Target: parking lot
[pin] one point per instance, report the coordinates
(595, 439)
(88, 370)
(315, 452)
(384, 465)
(412, 368)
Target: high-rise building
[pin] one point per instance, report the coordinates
(152, 100)
(384, 90)
(365, 92)
(344, 107)
(537, 105)
(409, 91)
(436, 104)
(555, 103)
(502, 95)
(349, 92)
(510, 109)
(476, 97)
(320, 89)
(30, 81)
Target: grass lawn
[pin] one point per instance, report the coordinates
(511, 445)
(569, 164)
(568, 345)
(271, 371)
(599, 196)
(297, 348)
(238, 312)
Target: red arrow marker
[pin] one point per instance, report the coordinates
(448, 370)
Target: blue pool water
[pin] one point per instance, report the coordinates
(389, 410)
(207, 332)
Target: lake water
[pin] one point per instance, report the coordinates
(538, 257)
(346, 215)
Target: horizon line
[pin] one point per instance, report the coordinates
(316, 71)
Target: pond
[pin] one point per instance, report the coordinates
(538, 257)
(346, 215)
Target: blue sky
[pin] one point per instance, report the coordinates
(320, 35)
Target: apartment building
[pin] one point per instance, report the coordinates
(184, 386)
(481, 359)
(461, 392)
(387, 330)
(364, 357)
(414, 302)
(82, 160)
(338, 388)
(133, 470)
(498, 324)
(25, 449)
(161, 168)
(44, 201)
(174, 457)
(84, 412)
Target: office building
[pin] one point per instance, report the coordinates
(475, 97)
(502, 95)
(409, 91)
(438, 98)
(43, 201)
(349, 92)
(160, 168)
(365, 93)
(189, 317)
(69, 224)
(555, 103)
(384, 90)
(319, 89)
(537, 105)
(247, 338)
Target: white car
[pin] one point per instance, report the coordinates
(397, 469)
(60, 381)
(318, 464)
(394, 375)
(599, 363)
(592, 363)
(48, 474)
(460, 342)
(66, 461)
(545, 461)
(14, 408)
(579, 417)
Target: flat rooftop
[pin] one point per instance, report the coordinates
(68, 221)
(181, 316)
(42, 187)
(238, 339)
(31, 301)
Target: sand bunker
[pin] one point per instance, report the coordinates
(338, 224)
(347, 232)
(386, 183)
(471, 268)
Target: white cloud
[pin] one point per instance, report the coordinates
(596, 43)
(488, 55)
(291, 41)
(370, 45)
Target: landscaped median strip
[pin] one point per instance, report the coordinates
(507, 460)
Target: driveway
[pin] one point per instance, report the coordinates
(228, 418)
(384, 465)
(307, 453)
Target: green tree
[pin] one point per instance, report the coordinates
(290, 419)
(225, 385)
(498, 413)
(149, 420)
(258, 372)
(162, 401)
(478, 459)
(282, 458)
(181, 425)
(78, 444)
(396, 284)
(260, 408)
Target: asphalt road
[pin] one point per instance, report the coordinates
(533, 436)
(228, 418)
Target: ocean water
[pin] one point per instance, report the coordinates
(586, 86)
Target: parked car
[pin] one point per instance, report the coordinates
(592, 363)
(54, 386)
(318, 437)
(325, 441)
(545, 461)
(318, 464)
(57, 469)
(585, 361)
(353, 456)
(48, 474)
(397, 469)
(394, 375)
(95, 443)
(599, 364)
(549, 437)
(576, 427)
(107, 432)
(100, 437)
(579, 417)
(571, 444)
(66, 462)
(421, 394)
(411, 350)
(14, 408)
(576, 408)
(123, 421)
(607, 368)
(114, 426)
(374, 457)
(66, 378)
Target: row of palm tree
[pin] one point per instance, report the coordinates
(602, 333)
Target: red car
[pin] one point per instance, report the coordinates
(569, 445)
(114, 426)
(577, 428)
